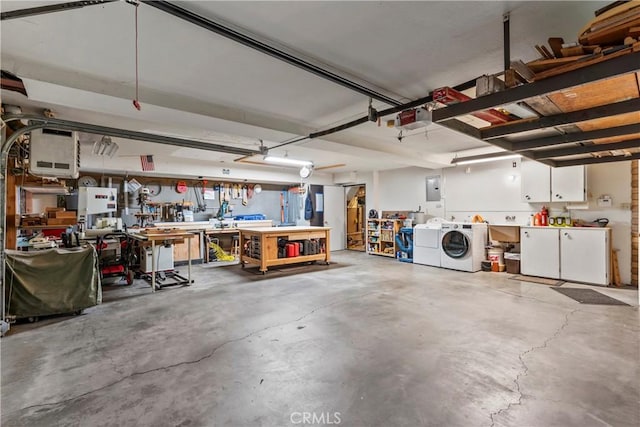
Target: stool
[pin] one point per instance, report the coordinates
(235, 245)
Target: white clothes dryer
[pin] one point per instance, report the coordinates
(463, 246)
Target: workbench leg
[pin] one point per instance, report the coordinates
(189, 265)
(153, 265)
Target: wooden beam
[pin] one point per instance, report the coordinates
(595, 160)
(573, 137)
(628, 106)
(583, 149)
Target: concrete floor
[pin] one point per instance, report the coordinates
(367, 342)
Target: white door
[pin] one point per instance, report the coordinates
(335, 208)
(540, 251)
(584, 255)
(568, 184)
(536, 181)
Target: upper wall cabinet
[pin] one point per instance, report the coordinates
(536, 181)
(543, 184)
(568, 184)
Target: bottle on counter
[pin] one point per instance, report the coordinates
(544, 216)
(537, 219)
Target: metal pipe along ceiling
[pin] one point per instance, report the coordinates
(129, 134)
(253, 43)
(40, 10)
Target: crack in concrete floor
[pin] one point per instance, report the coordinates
(525, 370)
(196, 361)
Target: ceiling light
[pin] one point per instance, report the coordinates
(287, 161)
(305, 171)
(483, 158)
(105, 147)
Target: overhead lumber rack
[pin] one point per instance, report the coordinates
(587, 115)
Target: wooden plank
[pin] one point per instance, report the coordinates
(523, 70)
(595, 94)
(546, 52)
(541, 52)
(585, 61)
(612, 121)
(634, 32)
(611, 35)
(572, 51)
(540, 65)
(623, 8)
(556, 46)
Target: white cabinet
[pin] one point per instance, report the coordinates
(540, 251)
(569, 253)
(585, 255)
(543, 184)
(568, 184)
(536, 181)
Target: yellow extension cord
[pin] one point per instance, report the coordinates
(221, 255)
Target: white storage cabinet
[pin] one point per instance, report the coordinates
(575, 254)
(540, 251)
(543, 184)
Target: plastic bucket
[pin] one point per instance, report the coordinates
(496, 255)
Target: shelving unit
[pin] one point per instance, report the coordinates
(381, 236)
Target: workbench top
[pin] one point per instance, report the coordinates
(282, 230)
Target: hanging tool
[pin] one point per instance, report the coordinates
(286, 206)
(282, 207)
(244, 195)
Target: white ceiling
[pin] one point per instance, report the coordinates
(193, 83)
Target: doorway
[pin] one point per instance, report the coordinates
(355, 197)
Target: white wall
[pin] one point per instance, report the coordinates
(406, 190)
(492, 190)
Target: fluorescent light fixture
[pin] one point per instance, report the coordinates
(483, 158)
(105, 147)
(287, 161)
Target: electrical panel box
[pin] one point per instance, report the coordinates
(54, 153)
(433, 188)
(96, 200)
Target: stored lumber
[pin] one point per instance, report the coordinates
(608, 14)
(556, 46)
(546, 64)
(571, 51)
(523, 70)
(586, 61)
(610, 35)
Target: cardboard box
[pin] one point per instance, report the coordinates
(66, 214)
(62, 221)
(504, 233)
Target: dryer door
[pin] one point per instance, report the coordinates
(455, 244)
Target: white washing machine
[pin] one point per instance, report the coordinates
(426, 244)
(463, 246)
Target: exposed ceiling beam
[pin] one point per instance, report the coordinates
(613, 67)
(595, 160)
(41, 10)
(582, 149)
(230, 33)
(571, 137)
(628, 106)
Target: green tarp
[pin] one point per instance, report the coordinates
(52, 281)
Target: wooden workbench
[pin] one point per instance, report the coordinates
(158, 235)
(268, 243)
